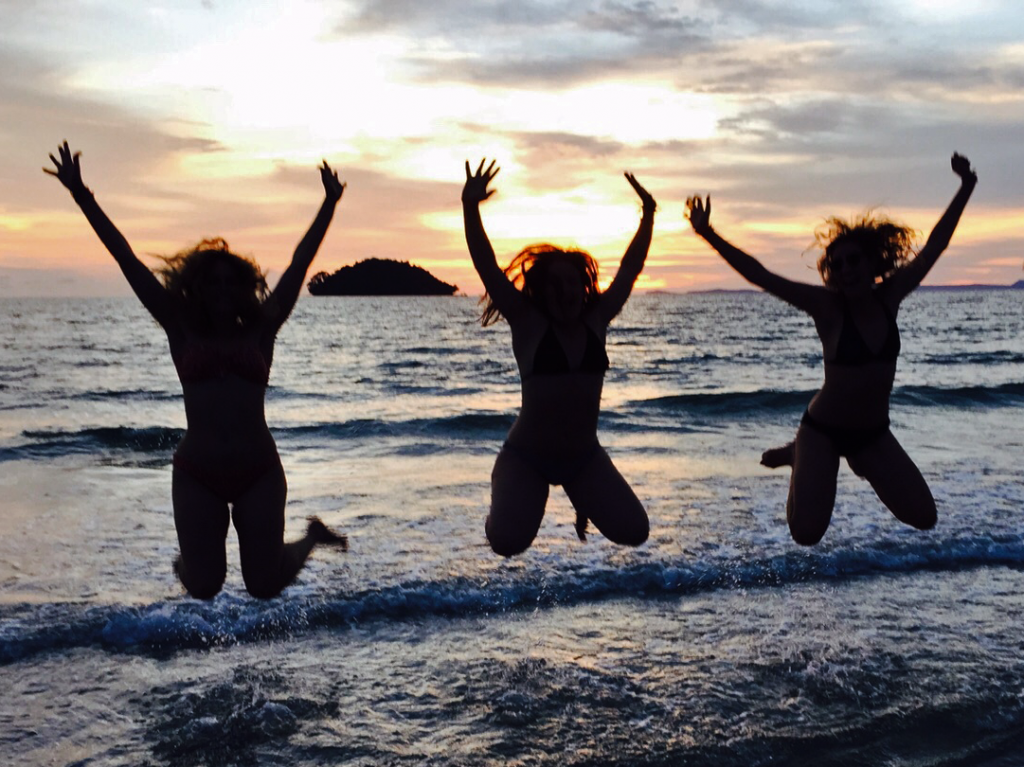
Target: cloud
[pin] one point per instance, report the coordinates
(36, 113)
(738, 47)
(550, 45)
(552, 160)
(379, 215)
(785, 112)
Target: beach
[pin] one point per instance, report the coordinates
(718, 642)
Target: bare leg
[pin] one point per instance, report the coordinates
(812, 486)
(774, 457)
(201, 520)
(518, 497)
(600, 493)
(268, 563)
(897, 481)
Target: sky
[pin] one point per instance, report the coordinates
(200, 119)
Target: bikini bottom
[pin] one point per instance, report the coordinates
(556, 472)
(847, 441)
(227, 485)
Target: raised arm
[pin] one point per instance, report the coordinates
(809, 298)
(506, 298)
(614, 298)
(906, 279)
(286, 293)
(143, 282)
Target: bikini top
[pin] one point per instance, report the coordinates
(852, 350)
(550, 357)
(206, 362)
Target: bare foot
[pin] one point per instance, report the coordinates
(775, 457)
(323, 535)
(581, 526)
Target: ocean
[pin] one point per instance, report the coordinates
(718, 642)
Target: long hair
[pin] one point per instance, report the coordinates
(887, 244)
(186, 273)
(528, 271)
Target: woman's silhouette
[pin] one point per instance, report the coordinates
(221, 325)
(867, 270)
(558, 318)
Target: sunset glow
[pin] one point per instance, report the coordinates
(212, 119)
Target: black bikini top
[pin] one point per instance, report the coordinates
(852, 350)
(550, 357)
(204, 362)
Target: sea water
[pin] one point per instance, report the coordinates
(718, 642)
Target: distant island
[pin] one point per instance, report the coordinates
(1018, 285)
(379, 277)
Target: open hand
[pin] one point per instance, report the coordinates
(333, 188)
(69, 169)
(645, 197)
(699, 213)
(962, 167)
(475, 190)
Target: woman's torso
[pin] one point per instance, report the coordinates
(562, 370)
(224, 383)
(860, 346)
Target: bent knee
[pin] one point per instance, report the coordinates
(506, 551)
(508, 547)
(807, 535)
(925, 520)
(808, 526)
(262, 582)
(204, 587)
(919, 512)
(264, 592)
(640, 537)
(634, 536)
(507, 542)
(263, 589)
(204, 590)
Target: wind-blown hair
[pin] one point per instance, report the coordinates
(528, 271)
(186, 274)
(889, 245)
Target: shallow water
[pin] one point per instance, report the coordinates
(718, 642)
(859, 672)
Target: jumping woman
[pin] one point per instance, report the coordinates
(550, 298)
(221, 324)
(868, 268)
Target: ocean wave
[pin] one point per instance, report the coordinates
(463, 425)
(982, 359)
(764, 400)
(490, 425)
(186, 624)
(40, 444)
(960, 396)
(131, 395)
(432, 351)
(99, 440)
(770, 400)
(404, 364)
